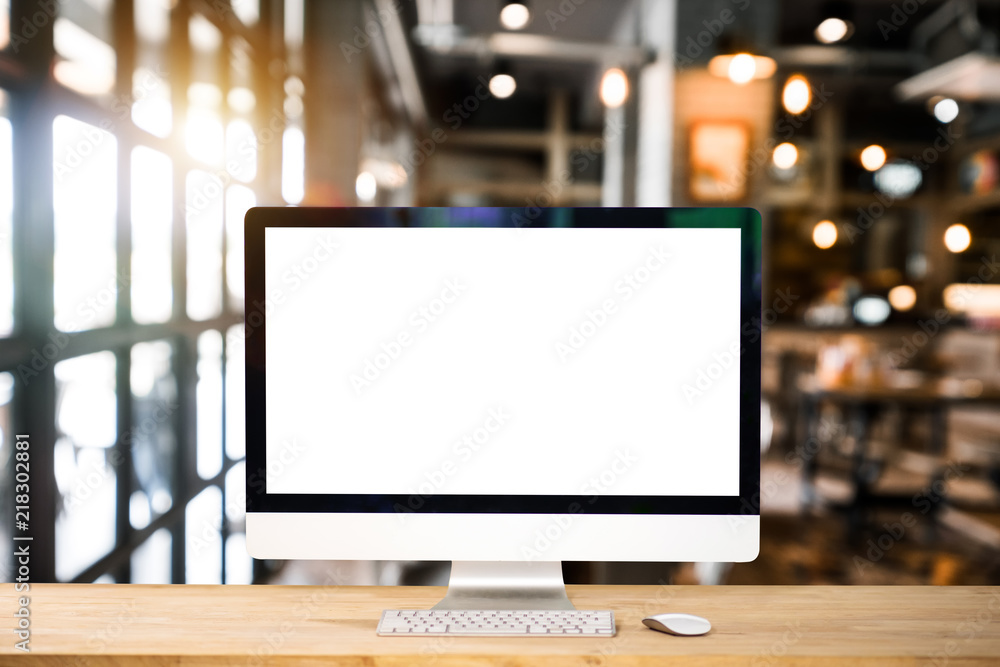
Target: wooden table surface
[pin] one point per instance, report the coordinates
(88, 625)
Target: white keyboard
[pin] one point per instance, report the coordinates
(519, 623)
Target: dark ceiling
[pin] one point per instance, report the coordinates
(865, 67)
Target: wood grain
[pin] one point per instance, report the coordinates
(89, 625)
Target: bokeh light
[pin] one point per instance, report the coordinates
(824, 234)
(785, 155)
(873, 157)
(957, 238)
(796, 95)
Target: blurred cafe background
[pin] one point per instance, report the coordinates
(134, 135)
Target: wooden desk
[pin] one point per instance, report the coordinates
(88, 625)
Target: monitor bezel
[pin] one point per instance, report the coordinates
(258, 500)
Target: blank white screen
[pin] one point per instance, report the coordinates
(647, 405)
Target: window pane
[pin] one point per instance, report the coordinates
(151, 561)
(138, 510)
(6, 447)
(236, 497)
(204, 245)
(235, 396)
(204, 137)
(203, 539)
(239, 199)
(83, 461)
(210, 407)
(4, 23)
(154, 448)
(152, 216)
(6, 213)
(294, 23)
(205, 37)
(85, 203)
(293, 164)
(204, 133)
(241, 150)
(239, 565)
(86, 63)
(247, 11)
(152, 21)
(152, 110)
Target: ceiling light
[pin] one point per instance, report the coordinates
(824, 234)
(873, 157)
(832, 30)
(796, 95)
(902, 297)
(365, 186)
(502, 86)
(742, 68)
(957, 238)
(614, 88)
(946, 110)
(785, 155)
(514, 15)
(722, 66)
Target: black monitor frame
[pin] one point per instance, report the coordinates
(745, 219)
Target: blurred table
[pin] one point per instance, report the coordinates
(864, 403)
(102, 625)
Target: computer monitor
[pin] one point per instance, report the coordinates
(503, 388)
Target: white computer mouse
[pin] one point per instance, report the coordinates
(685, 625)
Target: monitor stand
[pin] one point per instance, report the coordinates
(505, 585)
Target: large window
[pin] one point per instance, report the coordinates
(6, 216)
(124, 181)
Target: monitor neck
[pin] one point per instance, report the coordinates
(506, 585)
